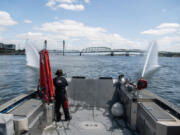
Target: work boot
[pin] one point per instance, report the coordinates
(67, 115)
(58, 120)
(68, 118)
(58, 117)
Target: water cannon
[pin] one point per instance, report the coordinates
(141, 84)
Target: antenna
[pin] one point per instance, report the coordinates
(45, 44)
(63, 46)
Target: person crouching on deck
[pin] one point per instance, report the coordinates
(60, 84)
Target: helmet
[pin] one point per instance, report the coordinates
(59, 72)
(121, 76)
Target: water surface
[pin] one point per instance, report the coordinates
(16, 77)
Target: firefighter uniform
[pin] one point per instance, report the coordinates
(60, 84)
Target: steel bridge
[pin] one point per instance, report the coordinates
(95, 49)
(100, 50)
(109, 50)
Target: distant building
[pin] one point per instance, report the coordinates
(7, 46)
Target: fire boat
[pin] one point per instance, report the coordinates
(101, 106)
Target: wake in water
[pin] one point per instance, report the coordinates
(32, 55)
(151, 63)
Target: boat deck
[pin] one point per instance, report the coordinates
(90, 101)
(90, 104)
(88, 121)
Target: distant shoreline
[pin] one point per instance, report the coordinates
(22, 52)
(12, 52)
(169, 54)
(160, 54)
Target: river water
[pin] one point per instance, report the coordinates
(17, 78)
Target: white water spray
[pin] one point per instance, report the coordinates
(32, 55)
(151, 62)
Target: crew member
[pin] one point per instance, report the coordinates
(60, 84)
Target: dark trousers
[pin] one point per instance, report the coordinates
(61, 100)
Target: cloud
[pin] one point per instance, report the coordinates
(79, 7)
(30, 35)
(159, 31)
(37, 39)
(164, 28)
(87, 1)
(168, 25)
(51, 3)
(167, 35)
(66, 1)
(38, 36)
(27, 21)
(169, 43)
(77, 35)
(74, 5)
(5, 19)
(70, 28)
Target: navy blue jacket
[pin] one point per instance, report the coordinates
(60, 84)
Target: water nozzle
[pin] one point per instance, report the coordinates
(141, 84)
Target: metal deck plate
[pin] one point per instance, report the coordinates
(158, 113)
(88, 101)
(88, 121)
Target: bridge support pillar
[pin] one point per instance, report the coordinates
(127, 54)
(112, 53)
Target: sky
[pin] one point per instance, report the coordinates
(118, 24)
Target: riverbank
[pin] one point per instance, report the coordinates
(12, 52)
(169, 54)
(160, 54)
(22, 52)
